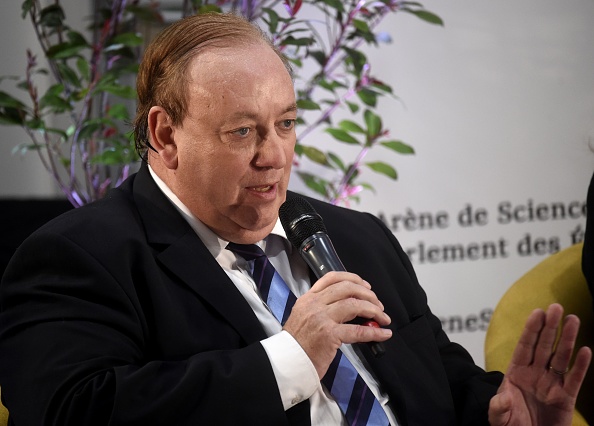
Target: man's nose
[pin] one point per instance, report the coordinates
(270, 152)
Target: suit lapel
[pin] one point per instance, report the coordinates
(180, 250)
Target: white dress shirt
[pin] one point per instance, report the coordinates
(295, 374)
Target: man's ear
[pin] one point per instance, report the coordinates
(162, 136)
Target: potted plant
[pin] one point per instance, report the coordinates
(78, 126)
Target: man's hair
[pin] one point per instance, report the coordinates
(162, 75)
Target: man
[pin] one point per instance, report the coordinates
(136, 309)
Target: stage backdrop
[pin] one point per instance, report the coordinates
(499, 106)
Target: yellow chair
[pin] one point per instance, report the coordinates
(3, 415)
(558, 278)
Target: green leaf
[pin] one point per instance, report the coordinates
(298, 149)
(373, 122)
(35, 124)
(352, 106)
(70, 130)
(383, 168)
(26, 8)
(83, 68)
(361, 25)
(314, 155)
(68, 74)
(110, 156)
(324, 84)
(368, 97)
(126, 92)
(272, 20)
(399, 147)
(342, 136)
(145, 13)
(336, 160)
(314, 183)
(292, 41)
(11, 117)
(336, 4)
(363, 31)
(118, 112)
(55, 90)
(209, 8)
(54, 103)
(318, 55)
(52, 16)
(88, 129)
(79, 95)
(23, 148)
(62, 133)
(127, 39)
(425, 16)
(7, 101)
(351, 126)
(77, 38)
(307, 104)
(368, 186)
(64, 50)
(381, 86)
(357, 59)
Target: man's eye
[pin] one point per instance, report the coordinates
(242, 132)
(288, 124)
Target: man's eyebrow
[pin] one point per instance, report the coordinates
(244, 114)
(291, 108)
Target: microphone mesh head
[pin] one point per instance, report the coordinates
(300, 220)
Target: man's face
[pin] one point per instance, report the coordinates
(235, 146)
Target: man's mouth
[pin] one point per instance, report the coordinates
(265, 188)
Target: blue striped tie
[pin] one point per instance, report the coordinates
(350, 391)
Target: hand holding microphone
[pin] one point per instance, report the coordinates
(306, 231)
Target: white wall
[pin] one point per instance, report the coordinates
(499, 106)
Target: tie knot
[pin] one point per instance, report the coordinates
(247, 251)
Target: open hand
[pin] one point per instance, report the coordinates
(539, 387)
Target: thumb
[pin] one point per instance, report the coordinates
(500, 406)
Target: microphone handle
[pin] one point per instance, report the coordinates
(318, 252)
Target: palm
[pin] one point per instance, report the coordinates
(533, 392)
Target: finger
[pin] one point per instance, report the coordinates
(334, 277)
(345, 290)
(346, 310)
(548, 336)
(564, 350)
(575, 377)
(524, 351)
(500, 407)
(352, 333)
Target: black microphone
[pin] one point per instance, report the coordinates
(306, 231)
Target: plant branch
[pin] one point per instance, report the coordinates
(345, 181)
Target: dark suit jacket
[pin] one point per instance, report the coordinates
(116, 313)
(588, 250)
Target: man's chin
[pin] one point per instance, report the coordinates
(258, 230)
